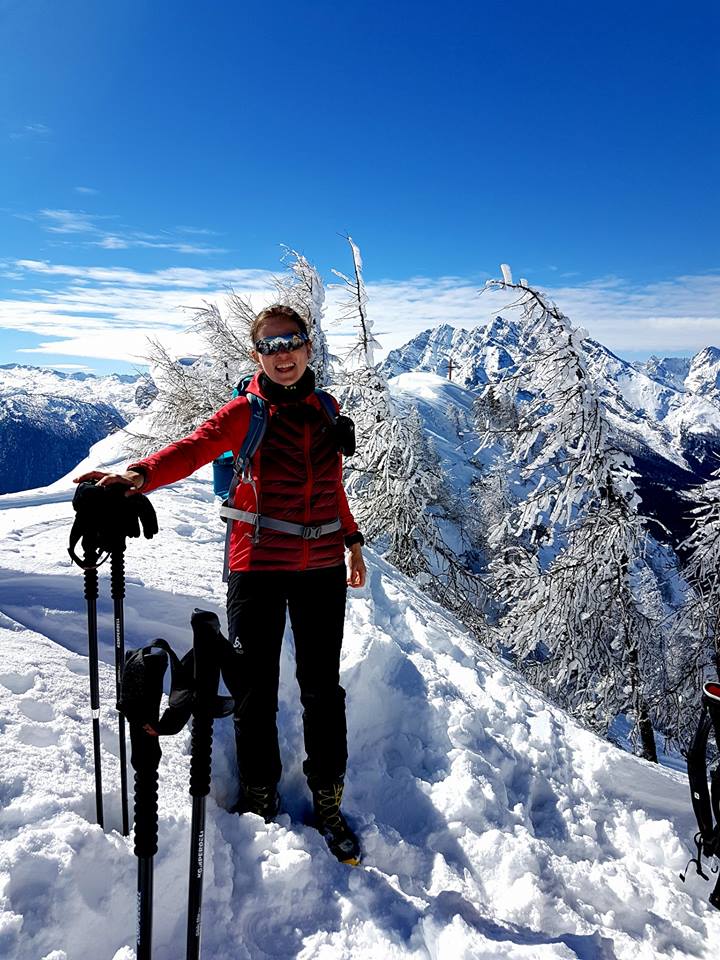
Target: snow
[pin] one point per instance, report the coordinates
(115, 389)
(492, 824)
(654, 405)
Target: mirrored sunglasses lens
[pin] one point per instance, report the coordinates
(281, 344)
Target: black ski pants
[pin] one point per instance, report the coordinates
(256, 606)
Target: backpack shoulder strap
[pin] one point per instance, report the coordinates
(328, 404)
(255, 432)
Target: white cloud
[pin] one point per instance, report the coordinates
(93, 228)
(109, 312)
(72, 367)
(68, 221)
(184, 277)
(36, 131)
(87, 190)
(112, 243)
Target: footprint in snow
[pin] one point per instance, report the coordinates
(35, 735)
(18, 682)
(78, 666)
(37, 710)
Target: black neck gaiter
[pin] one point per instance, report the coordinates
(278, 393)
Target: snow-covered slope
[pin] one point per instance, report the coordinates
(479, 356)
(493, 826)
(446, 412)
(669, 370)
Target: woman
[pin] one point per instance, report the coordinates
(295, 565)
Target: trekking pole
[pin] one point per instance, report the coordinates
(206, 706)
(104, 517)
(117, 591)
(146, 832)
(207, 676)
(91, 595)
(140, 696)
(200, 763)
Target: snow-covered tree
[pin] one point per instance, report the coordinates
(303, 290)
(582, 606)
(394, 480)
(699, 618)
(189, 393)
(192, 389)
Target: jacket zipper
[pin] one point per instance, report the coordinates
(308, 494)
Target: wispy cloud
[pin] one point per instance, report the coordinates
(94, 230)
(198, 231)
(680, 315)
(73, 367)
(109, 312)
(69, 221)
(87, 190)
(35, 131)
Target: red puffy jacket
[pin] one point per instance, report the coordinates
(298, 477)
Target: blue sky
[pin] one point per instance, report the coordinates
(155, 152)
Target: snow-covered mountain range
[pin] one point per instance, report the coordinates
(49, 419)
(492, 824)
(666, 413)
(659, 403)
(116, 389)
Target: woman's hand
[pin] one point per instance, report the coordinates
(130, 478)
(357, 571)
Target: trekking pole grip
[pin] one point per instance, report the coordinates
(146, 813)
(117, 573)
(201, 754)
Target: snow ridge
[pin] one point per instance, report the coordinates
(492, 824)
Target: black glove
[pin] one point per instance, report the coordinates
(128, 513)
(104, 517)
(144, 511)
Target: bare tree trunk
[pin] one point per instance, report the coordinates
(648, 748)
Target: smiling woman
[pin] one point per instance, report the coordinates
(289, 522)
(282, 345)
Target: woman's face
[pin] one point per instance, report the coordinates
(282, 368)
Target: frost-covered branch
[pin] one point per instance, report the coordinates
(353, 307)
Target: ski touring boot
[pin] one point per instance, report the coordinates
(260, 799)
(331, 823)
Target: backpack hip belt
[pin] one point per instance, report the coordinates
(281, 526)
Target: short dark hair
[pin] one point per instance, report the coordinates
(277, 310)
